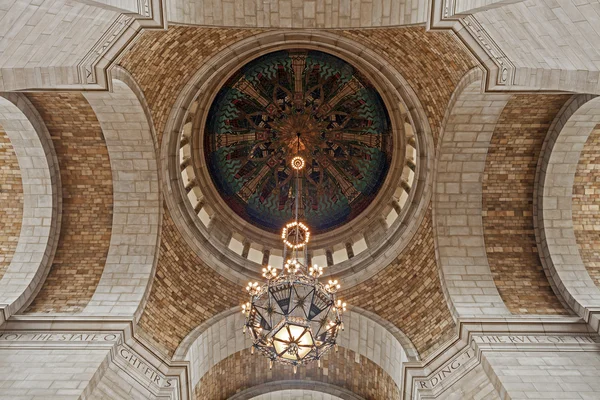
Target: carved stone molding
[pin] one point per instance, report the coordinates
(125, 352)
(432, 377)
(499, 70)
(425, 379)
(93, 70)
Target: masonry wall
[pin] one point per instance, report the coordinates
(43, 41)
(408, 293)
(546, 375)
(474, 385)
(432, 62)
(38, 374)
(550, 42)
(118, 385)
(298, 14)
(11, 201)
(185, 292)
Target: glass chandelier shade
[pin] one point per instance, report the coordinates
(293, 318)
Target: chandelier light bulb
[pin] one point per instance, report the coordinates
(315, 271)
(253, 288)
(297, 163)
(269, 272)
(333, 286)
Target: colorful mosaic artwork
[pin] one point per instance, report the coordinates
(305, 103)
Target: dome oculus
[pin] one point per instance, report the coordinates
(291, 103)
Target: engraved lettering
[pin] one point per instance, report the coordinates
(446, 371)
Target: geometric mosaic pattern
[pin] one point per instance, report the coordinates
(298, 102)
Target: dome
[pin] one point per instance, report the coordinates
(298, 102)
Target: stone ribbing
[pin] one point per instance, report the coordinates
(135, 229)
(458, 222)
(11, 201)
(586, 205)
(344, 369)
(185, 293)
(508, 184)
(40, 182)
(87, 197)
(408, 293)
(553, 207)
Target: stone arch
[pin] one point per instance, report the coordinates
(133, 249)
(316, 391)
(555, 236)
(221, 336)
(467, 131)
(41, 203)
(342, 369)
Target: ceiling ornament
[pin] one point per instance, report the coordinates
(345, 145)
(293, 318)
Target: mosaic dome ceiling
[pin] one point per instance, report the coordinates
(298, 102)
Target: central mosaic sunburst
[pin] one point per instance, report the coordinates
(291, 103)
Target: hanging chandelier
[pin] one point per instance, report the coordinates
(293, 318)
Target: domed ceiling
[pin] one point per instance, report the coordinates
(298, 102)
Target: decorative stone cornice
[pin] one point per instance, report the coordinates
(163, 378)
(425, 379)
(499, 70)
(94, 70)
(476, 336)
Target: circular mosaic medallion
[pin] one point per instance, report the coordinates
(298, 103)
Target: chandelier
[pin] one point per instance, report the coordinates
(293, 318)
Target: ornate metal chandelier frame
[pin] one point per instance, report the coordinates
(294, 319)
